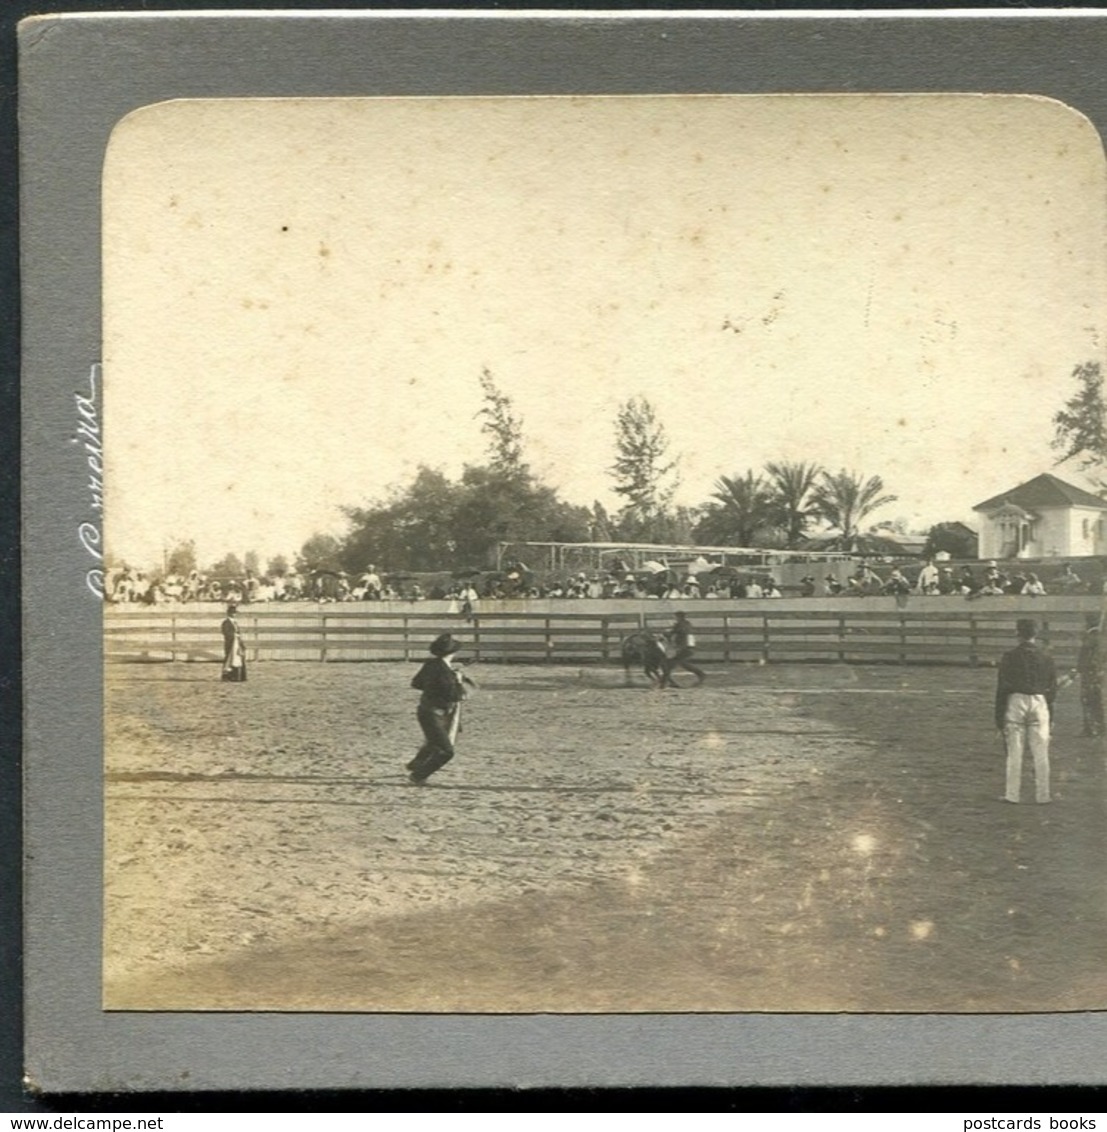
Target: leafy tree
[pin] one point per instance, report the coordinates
(434, 524)
(644, 475)
(740, 514)
(494, 508)
(181, 559)
(1080, 428)
(229, 566)
(252, 563)
(845, 499)
(503, 428)
(277, 567)
(320, 552)
(413, 529)
(954, 538)
(599, 528)
(791, 484)
(676, 526)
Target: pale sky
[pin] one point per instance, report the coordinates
(300, 296)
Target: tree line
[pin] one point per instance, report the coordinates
(437, 523)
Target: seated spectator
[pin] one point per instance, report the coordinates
(1033, 587)
(897, 585)
(770, 589)
(928, 581)
(871, 581)
(371, 581)
(996, 577)
(1013, 585)
(831, 586)
(1069, 581)
(807, 586)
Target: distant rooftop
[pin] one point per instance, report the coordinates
(1043, 491)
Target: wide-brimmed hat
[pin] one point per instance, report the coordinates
(1026, 628)
(444, 645)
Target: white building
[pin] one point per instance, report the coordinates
(1043, 518)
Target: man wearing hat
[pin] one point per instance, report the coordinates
(234, 648)
(1025, 691)
(439, 708)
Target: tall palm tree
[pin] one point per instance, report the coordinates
(845, 498)
(742, 507)
(792, 483)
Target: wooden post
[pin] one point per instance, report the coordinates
(726, 638)
(405, 622)
(323, 637)
(549, 641)
(902, 639)
(974, 658)
(605, 646)
(765, 639)
(841, 638)
(476, 635)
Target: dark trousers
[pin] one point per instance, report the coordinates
(437, 751)
(683, 659)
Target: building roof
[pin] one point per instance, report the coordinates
(1043, 491)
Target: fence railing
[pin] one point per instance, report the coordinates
(918, 630)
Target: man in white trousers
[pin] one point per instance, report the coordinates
(1025, 691)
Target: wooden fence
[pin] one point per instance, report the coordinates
(878, 630)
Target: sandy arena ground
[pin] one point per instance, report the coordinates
(786, 838)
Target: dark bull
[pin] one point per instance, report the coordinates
(648, 650)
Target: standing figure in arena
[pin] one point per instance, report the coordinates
(439, 711)
(1025, 691)
(682, 637)
(234, 648)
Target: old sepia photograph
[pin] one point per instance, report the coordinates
(602, 554)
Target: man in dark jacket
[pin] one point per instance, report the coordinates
(1025, 691)
(443, 689)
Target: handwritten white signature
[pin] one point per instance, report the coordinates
(90, 438)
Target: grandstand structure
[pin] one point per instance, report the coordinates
(638, 557)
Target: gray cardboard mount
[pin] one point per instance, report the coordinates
(79, 75)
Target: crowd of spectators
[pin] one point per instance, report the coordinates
(124, 585)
